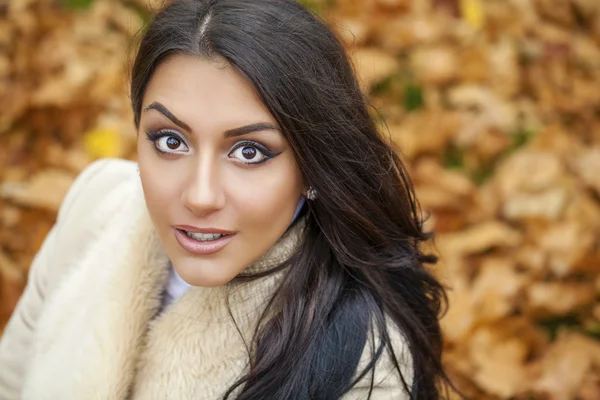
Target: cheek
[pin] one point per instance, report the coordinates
(160, 184)
(267, 198)
(157, 196)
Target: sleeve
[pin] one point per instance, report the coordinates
(387, 384)
(15, 344)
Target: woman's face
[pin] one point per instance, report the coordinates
(220, 180)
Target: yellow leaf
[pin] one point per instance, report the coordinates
(100, 143)
(472, 11)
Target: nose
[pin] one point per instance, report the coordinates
(203, 194)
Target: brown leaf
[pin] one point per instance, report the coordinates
(485, 108)
(396, 33)
(566, 245)
(373, 65)
(44, 190)
(353, 31)
(587, 164)
(496, 288)
(436, 65)
(548, 204)
(590, 388)
(479, 238)
(424, 133)
(499, 357)
(460, 318)
(566, 364)
(556, 298)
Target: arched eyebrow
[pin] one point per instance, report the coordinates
(165, 111)
(243, 130)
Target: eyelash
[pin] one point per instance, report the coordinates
(268, 154)
(153, 137)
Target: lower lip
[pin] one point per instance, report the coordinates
(201, 248)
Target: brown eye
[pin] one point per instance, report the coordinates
(173, 143)
(249, 153)
(168, 143)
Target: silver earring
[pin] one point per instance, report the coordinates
(311, 193)
(138, 170)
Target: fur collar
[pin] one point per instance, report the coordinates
(100, 336)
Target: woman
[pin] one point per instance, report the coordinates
(267, 248)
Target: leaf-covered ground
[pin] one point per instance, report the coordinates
(494, 104)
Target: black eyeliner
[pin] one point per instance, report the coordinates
(269, 155)
(152, 137)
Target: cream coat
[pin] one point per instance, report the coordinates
(87, 327)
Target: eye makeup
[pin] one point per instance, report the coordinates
(267, 154)
(154, 137)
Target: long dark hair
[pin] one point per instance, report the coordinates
(359, 268)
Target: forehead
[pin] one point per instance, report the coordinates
(200, 90)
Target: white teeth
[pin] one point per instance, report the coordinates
(204, 237)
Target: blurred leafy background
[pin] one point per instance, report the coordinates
(494, 105)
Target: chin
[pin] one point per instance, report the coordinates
(203, 272)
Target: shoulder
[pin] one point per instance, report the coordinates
(100, 180)
(387, 384)
(88, 207)
(101, 188)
